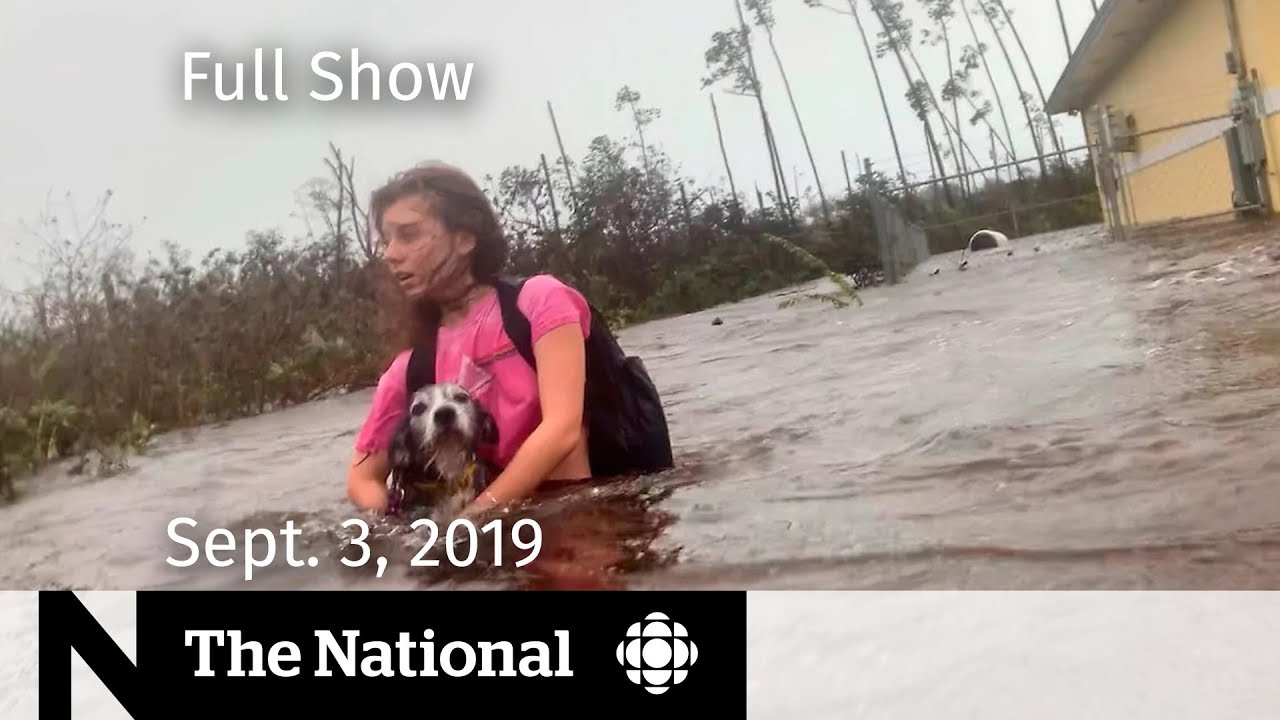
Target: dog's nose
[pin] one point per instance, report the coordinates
(446, 415)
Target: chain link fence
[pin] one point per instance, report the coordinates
(1204, 168)
(1012, 199)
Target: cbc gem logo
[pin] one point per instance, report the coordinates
(658, 653)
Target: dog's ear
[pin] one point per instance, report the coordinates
(488, 428)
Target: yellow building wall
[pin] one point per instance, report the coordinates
(1188, 185)
(1179, 75)
(1259, 31)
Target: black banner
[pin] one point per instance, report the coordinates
(268, 654)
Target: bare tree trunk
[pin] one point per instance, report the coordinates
(715, 113)
(995, 89)
(764, 116)
(848, 182)
(644, 147)
(1004, 49)
(822, 196)
(1035, 77)
(995, 161)
(875, 71)
(933, 165)
(955, 109)
(973, 106)
(924, 116)
(344, 172)
(898, 43)
(564, 156)
(551, 194)
(785, 198)
(1062, 20)
(933, 100)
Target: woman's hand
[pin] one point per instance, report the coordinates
(562, 375)
(367, 480)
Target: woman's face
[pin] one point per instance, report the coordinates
(424, 257)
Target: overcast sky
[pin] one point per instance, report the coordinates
(91, 98)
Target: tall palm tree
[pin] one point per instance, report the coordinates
(902, 28)
(995, 89)
(628, 98)
(1035, 76)
(784, 196)
(892, 24)
(941, 12)
(875, 72)
(763, 11)
(729, 58)
(1023, 97)
(1062, 20)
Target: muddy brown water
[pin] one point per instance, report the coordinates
(1079, 414)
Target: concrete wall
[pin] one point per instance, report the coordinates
(1179, 75)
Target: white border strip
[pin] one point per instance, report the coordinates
(1013, 655)
(1194, 137)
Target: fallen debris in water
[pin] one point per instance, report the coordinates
(717, 321)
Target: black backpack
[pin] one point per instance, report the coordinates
(626, 424)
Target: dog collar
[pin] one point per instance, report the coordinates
(466, 479)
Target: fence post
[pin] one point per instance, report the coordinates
(1108, 175)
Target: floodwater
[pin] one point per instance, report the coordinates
(1079, 414)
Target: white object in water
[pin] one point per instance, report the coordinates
(987, 239)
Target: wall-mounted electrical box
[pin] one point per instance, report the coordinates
(1122, 131)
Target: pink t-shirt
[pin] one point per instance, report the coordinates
(477, 354)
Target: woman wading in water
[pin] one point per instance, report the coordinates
(442, 243)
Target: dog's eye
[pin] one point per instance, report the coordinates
(418, 409)
(462, 398)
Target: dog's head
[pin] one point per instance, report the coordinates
(444, 417)
(436, 444)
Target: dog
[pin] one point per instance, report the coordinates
(436, 466)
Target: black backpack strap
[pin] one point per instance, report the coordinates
(421, 368)
(513, 320)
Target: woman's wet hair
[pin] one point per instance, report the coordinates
(461, 206)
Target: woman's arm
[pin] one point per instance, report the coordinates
(367, 480)
(371, 464)
(561, 358)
